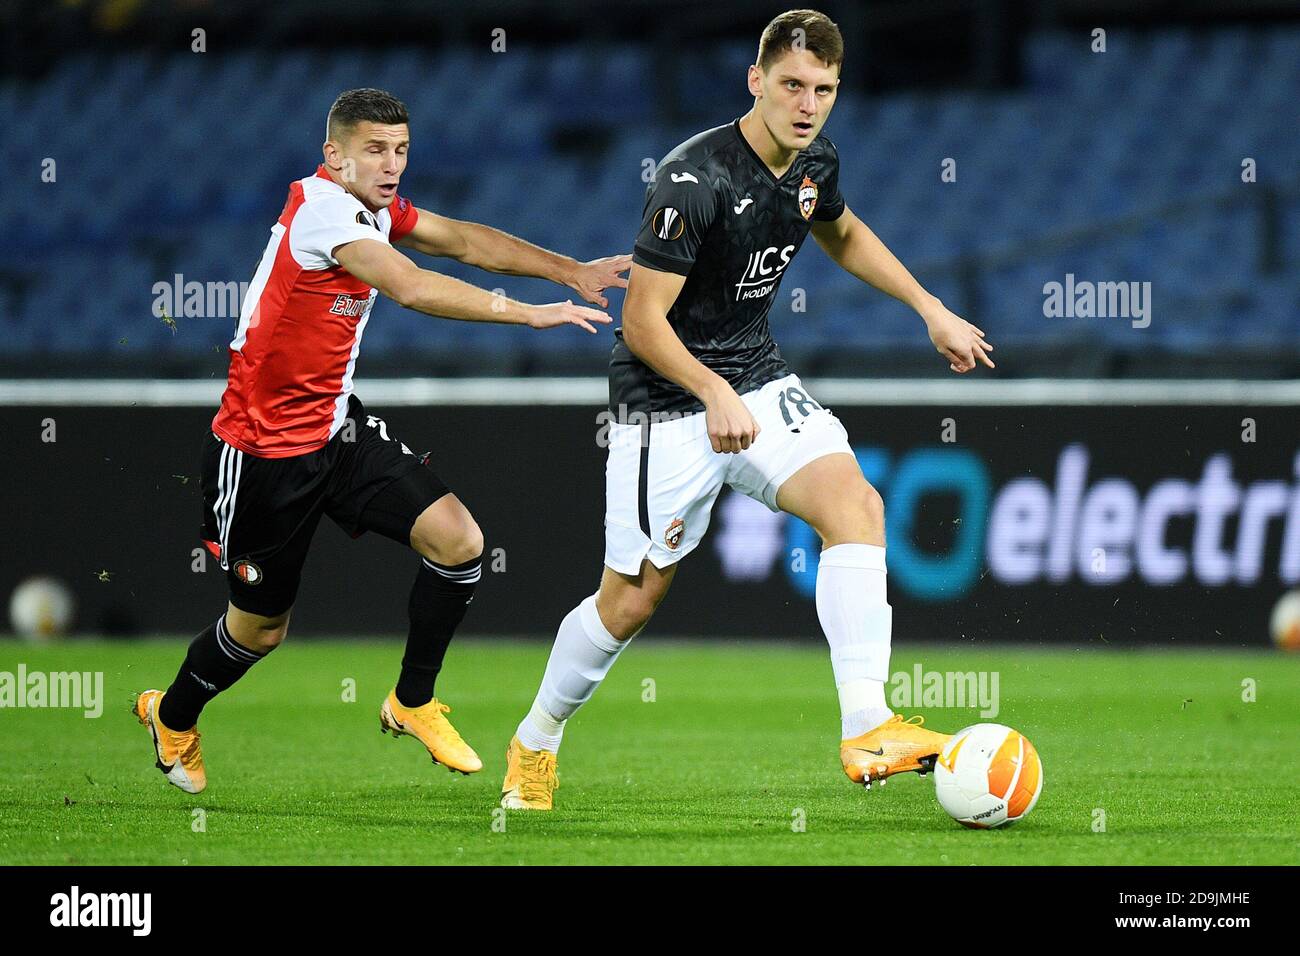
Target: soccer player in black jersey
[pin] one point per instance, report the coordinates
(727, 211)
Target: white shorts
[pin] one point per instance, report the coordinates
(662, 477)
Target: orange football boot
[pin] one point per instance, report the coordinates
(178, 754)
(429, 726)
(531, 778)
(896, 746)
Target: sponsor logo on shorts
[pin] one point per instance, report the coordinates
(248, 572)
(673, 535)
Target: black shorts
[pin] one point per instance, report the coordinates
(259, 514)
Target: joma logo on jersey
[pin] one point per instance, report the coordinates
(762, 272)
(346, 305)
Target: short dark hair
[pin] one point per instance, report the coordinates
(805, 29)
(365, 105)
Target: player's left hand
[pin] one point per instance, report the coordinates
(961, 343)
(589, 278)
(565, 313)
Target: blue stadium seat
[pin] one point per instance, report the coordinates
(1151, 132)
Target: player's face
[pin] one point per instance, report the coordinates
(795, 95)
(371, 158)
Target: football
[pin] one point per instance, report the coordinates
(987, 776)
(41, 608)
(1284, 624)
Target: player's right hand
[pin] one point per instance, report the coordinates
(957, 340)
(566, 313)
(731, 427)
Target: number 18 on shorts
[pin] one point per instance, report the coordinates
(662, 476)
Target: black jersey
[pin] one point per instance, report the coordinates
(716, 214)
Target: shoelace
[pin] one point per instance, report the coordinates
(538, 774)
(188, 748)
(436, 720)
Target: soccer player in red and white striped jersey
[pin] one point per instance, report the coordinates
(291, 442)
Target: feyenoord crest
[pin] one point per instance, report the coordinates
(667, 223)
(673, 536)
(248, 572)
(807, 197)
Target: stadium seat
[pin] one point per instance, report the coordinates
(1136, 155)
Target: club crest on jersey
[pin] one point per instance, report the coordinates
(368, 219)
(673, 534)
(807, 197)
(667, 223)
(248, 572)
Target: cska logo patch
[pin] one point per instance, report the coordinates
(807, 197)
(673, 534)
(248, 572)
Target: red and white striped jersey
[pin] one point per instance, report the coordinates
(299, 333)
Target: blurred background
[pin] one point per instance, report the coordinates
(1117, 480)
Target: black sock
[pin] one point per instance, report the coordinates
(439, 599)
(214, 662)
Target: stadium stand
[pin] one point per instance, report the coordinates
(177, 164)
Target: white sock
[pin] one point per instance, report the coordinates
(583, 653)
(856, 617)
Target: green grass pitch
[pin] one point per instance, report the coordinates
(737, 747)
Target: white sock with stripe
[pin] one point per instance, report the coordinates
(857, 619)
(583, 653)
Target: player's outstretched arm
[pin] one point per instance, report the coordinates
(486, 248)
(851, 243)
(380, 265)
(650, 336)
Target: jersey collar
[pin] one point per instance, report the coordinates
(757, 160)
